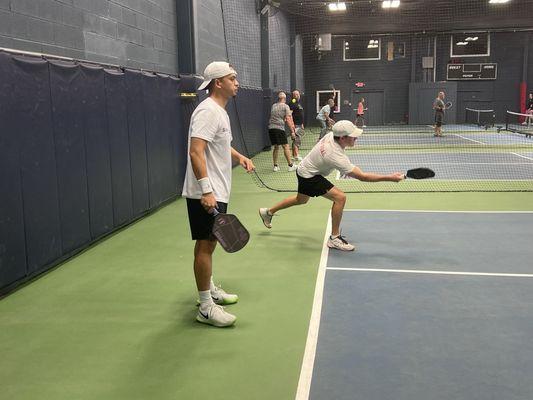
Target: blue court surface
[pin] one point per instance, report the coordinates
(455, 166)
(431, 306)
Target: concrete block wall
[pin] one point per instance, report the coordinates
(132, 33)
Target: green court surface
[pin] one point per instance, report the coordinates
(117, 321)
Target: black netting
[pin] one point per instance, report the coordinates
(397, 59)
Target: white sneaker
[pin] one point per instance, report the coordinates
(266, 217)
(215, 315)
(364, 126)
(340, 243)
(276, 168)
(293, 167)
(220, 296)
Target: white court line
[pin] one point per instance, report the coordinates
(441, 211)
(520, 155)
(414, 271)
(306, 373)
(465, 138)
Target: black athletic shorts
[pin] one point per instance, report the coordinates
(200, 221)
(277, 136)
(438, 118)
(313, 187)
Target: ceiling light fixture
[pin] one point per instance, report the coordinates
(337, 6)
(390, 4)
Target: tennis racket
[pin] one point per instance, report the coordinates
(229, 231)
(420, 173)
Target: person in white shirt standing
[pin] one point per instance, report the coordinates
(279, 115)
(328, 154)
(208, 184)
(324, 118)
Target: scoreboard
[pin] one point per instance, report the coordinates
(473, 72)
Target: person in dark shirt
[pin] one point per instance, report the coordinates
(298, 118)
(529, 110)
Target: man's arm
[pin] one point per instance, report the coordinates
(290, 123)
(199, 167)
(357, 173)
(245, 162)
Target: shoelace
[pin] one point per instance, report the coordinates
(343, 240)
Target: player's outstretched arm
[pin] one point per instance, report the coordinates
(357, 173)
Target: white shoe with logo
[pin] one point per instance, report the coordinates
(215, 315)
(266, 217)
(340, 243)
(276, 168)
(293, 167)
(220, 296)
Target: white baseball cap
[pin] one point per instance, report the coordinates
(346, 128)
(215, 70)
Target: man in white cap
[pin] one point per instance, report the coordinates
(208, 184)
(328, 154)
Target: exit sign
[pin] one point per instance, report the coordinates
(359, 84)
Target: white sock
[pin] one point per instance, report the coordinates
(205, 298)
(333, 237)
(269, 213)
(212, 286)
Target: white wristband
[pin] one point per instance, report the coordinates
(205, 185)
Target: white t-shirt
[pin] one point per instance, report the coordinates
(326, 156)
(322, 113)
(278, 114)
(210, 122)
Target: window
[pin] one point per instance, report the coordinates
(322, 97)
(361, 48)
(471, 44)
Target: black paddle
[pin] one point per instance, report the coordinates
(230, 233)
(448, 105)
(420, 173)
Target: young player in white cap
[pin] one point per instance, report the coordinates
(328, 154)
(208, 184)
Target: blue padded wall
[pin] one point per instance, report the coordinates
(70, 155)
(94, 117)
(12, 242)
(137, 137)
(83, 151)
(117, 118)
(32, 111)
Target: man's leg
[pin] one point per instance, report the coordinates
(203, 263)
(323, 130)
(287, 154)
(275, 156)
(208, 312)
(267, 213)
(338, 198)
(336, 241)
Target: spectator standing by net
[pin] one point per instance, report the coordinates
(324, 118)
(279, 115)
(360, 119)
(439, 107)
(298, 119)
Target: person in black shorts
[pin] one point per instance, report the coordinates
(298, 119)
(327, 155)
(279, 115)
(207, 185)
(439, 107)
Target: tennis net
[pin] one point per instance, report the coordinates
(519, 123)
(482, 118)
